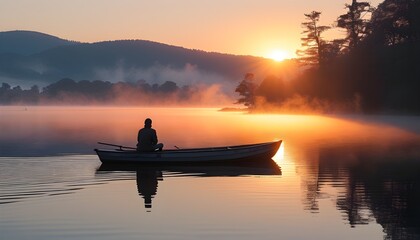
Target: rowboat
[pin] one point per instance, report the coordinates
(249, 152)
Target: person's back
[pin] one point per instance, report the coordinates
(147, 138)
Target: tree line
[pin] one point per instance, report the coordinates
(374, 68)
(69, 91)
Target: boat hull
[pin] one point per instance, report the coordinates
(225, 169)
(251, 152)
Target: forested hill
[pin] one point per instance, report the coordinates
(29, 42)
(81, 61)
(123, 60)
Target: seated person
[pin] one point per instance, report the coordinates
(147, 139)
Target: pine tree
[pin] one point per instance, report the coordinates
(312, 42)
(355, 22)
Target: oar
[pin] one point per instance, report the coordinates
(114, 145)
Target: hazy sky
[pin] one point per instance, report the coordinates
(245, 27)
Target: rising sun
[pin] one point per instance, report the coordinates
(278, 55)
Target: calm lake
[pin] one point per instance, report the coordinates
(334, 177)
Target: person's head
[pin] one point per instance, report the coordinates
(148, 123)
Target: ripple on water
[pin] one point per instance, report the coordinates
(32, 177)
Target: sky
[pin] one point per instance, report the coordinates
(241, 27)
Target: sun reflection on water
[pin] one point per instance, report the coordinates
(343, 169)
(279, 156)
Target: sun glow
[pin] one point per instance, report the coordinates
(278, 55)
(279, 156)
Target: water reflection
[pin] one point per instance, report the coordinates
(357, 171)
(147, 184)
(147, 177)
(372, 184)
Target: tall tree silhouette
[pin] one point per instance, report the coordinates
(314, 46)
(396, 21)
(355, 22)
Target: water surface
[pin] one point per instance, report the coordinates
(346, 177)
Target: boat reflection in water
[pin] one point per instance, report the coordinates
(148, 176)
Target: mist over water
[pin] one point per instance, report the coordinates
(189, 75)
(33, 131)
(347, 176)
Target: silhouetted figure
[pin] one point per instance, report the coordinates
(147, 139)
(147, 183)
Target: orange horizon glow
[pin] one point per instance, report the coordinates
(240, 27)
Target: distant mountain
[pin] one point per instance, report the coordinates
(123, 60)
(28, 42)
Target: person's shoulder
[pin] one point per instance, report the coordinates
(147, 130)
